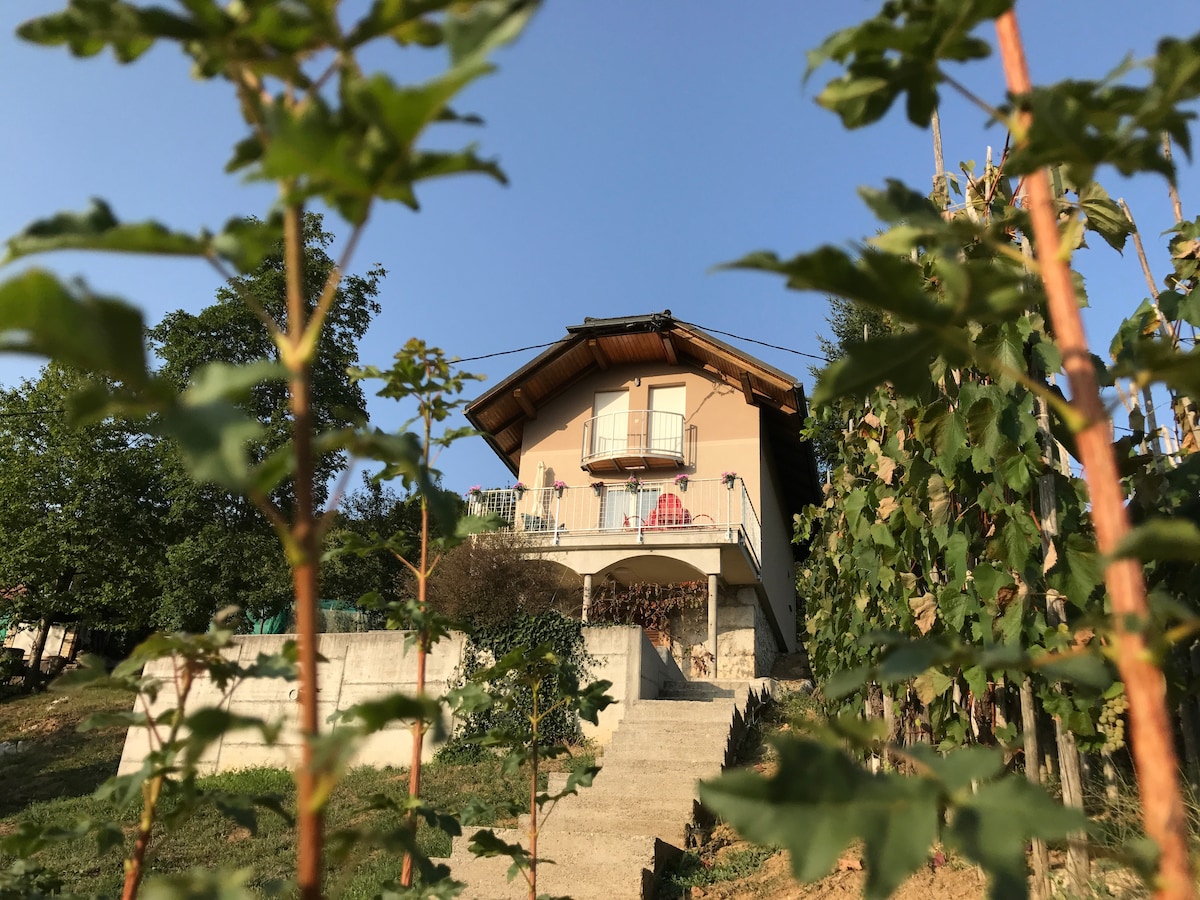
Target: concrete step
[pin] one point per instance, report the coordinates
(619, 766)
(650, 711)
(672, 733)
(588, 865)
(610, 839)
(636, 783)
(691, 690)
(691, 748)
(573, 811)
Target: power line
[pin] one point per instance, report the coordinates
(507, 352)
(760, 343)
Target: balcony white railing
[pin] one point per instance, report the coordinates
(646, 508)
(636, 433)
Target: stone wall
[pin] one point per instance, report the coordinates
(745, 646)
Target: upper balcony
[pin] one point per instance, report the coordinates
(637, 440)
(704, 510)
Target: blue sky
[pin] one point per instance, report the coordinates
(645, 142)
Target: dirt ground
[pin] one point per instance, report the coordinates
(774, 882)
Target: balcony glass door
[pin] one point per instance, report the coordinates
(610, 433)
(666, 419)
(627, 509)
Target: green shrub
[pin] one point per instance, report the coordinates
(491, 642)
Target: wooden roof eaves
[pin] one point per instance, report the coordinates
(783, 379)
(507, 384)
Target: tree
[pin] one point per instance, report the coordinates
(367, 517)
(229, 331)
(852, 324)
(223, 551)
(80, 537)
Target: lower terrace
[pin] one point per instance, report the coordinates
(684, 510)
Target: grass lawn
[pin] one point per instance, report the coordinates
(51, 781)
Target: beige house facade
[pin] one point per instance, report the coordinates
(644, 450)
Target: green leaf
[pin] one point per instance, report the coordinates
(1078, 571)
(88, 26)
(201, 884)
(1000, 351)
(98, 229)
(1103, 216)
(375, 715)
(485, 844)
(1161, 539)
(958, 769)
(131, 719)
(818, 801)
(901, 359)
(474, 30)
(875, 279)
(1083, 668)
(39, 315)
(91, 671)
(222, 381)
(845, 682)
(993, 825)
(214, 439)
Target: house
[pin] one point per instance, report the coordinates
(646, 451)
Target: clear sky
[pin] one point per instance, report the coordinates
(646, 141)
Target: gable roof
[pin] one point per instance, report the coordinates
(600, 344)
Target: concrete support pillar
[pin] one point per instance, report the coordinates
(712, 621)
(587, 596)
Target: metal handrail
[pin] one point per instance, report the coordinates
(638, 432)
(629, 507)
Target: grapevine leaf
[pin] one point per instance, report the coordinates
(1161, 539)
(958, 769)
(818, 801)
(88, 26)
(1084, 669)
(1103, 216)
(992, 825)
(474, 30)
(875, 279)
(98, 229)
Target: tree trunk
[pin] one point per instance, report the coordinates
(1040, 889)
(33, 671)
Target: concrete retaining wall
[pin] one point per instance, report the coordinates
(625, 657)
(358, 667)
(374, 664)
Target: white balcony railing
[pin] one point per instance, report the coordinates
(652, 507)
(636, 433)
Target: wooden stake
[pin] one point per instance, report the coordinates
(1040, 889)
(1150, 725)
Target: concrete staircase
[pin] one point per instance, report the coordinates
(608, 842)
